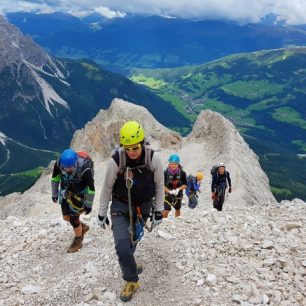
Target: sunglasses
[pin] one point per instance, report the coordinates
(128, 149)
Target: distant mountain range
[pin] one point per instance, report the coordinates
(263, 93)
(43, 100)
(151, 41)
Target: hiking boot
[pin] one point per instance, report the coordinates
(139, 268)
(128, 291)
(85, 229)
(75, 245)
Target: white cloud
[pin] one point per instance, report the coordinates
(108, 13)
(25, 6)
(293, 11)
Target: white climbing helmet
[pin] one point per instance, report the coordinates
(221, 165)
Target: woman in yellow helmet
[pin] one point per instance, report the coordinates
(193, 186)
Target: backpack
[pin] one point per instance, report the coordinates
(84, 163)
(189, 180)
(214, 170)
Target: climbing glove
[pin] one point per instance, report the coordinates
(157, 218)
(103, 221)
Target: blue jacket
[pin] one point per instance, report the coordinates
(192, 186)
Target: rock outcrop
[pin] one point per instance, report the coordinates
(219, 141)
(100, 136)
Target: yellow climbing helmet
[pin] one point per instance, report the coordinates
(131, 133)
(200, 176)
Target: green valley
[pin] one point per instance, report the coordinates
(262, 93)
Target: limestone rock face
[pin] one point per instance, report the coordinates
(219, 141)
(101, 135)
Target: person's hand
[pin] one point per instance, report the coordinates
(103, 221)
(54, 199)
(176, 191)
(213, 195)
(87, 210)
(157, 218)
(230, 189)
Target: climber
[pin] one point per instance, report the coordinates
(220, 177)
(134, 176)
(193, 186)
(73, 188)
(175, 182)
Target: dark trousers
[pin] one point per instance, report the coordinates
(193, 200)
(122, 237)
(218, 202)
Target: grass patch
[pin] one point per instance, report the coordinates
(30, 173)
(240, 117)
(178, 104)
(252, 90)
(266, 104)
(148, 81)
(281, 193)
(90, 67)
(289, 115)
(300, 143)
(200, 83)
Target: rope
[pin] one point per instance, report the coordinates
(129, 185)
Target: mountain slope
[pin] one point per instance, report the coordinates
(151, 41)
(244, 254)
(43, 100)
(263, 93)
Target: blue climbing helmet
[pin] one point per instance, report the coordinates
(68, 159)
(174, 158)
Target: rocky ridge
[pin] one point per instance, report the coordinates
(252, 253)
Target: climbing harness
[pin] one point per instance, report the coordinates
(174, 201)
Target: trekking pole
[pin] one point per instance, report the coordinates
(129, 185)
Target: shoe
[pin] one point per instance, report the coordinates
(75, 245)
(139, 268)
(128, 291)
(85, 229)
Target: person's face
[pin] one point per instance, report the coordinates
(221, 170)
(133, 151)
(173, 166)
(69, 170)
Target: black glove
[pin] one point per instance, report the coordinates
(157, 218)
(87, 210)
(230, 189)
(54, 199)
(103, 220)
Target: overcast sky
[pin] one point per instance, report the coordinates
(293, 11)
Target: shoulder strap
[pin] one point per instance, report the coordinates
(122, 158)
(148, 156)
